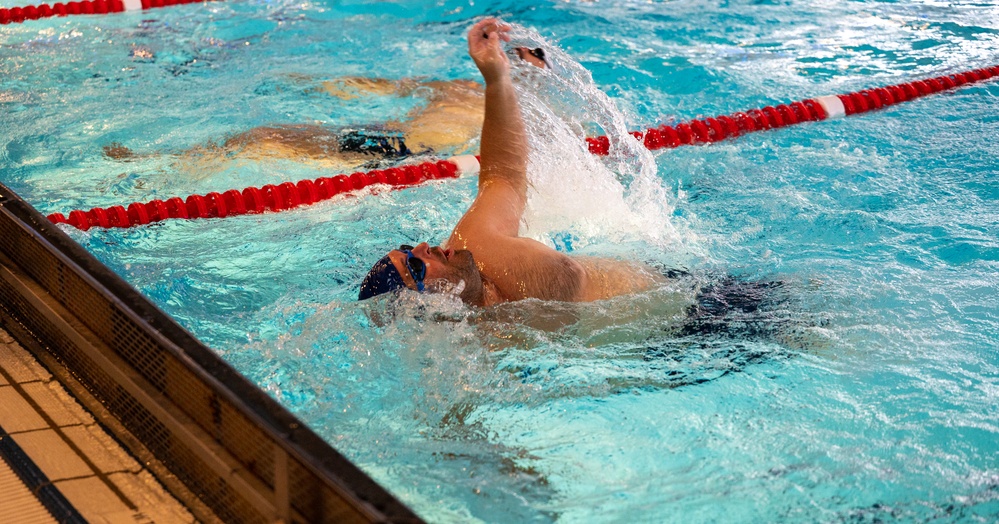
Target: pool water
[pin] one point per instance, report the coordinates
(874, 397)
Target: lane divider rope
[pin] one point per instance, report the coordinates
(16, 15)
(719, 128)
(290, 195)
(271, 197)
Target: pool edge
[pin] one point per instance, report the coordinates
(247, 457)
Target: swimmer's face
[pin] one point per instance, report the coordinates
(418, 264)
(535, 57)
(442, 270)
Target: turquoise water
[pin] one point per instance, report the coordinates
(879, 404)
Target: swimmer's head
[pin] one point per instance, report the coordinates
(423, 268)
(536, 57)
(529, 66)
(384, 277)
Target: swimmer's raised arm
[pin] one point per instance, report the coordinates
(502, 192)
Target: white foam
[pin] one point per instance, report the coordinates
(616, 198)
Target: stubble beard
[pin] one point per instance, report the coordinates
(462, 268)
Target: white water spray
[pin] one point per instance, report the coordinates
(615, 199)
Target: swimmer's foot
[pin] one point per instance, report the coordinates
(116, 151)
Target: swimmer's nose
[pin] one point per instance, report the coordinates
(422, 248)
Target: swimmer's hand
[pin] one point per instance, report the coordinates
(484, 46)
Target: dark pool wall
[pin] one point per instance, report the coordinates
(219, 443)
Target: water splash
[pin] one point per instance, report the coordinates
(616, 198)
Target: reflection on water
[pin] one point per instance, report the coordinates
(861, 387)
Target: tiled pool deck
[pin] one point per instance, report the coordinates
(73, 464)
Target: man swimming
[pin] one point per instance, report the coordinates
(448, 123)
(485, 261)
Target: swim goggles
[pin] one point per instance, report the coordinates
(417, 267)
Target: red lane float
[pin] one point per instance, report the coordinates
(271, 197)
(290, 195)
(720, 128)
(16, 15)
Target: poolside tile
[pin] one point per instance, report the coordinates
(106, 455)
(57, 404)
(94, 499)
(152, 500)
(20, 365)
(16, 415)
(53, 456)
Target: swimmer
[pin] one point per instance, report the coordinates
(448, 123)
(484, 260)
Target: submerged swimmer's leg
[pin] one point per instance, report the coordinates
(732, 324)
(736, 309)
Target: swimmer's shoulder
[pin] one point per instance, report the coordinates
(607, 277)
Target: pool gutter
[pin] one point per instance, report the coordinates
(215, 440)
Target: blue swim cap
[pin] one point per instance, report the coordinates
(382, 278)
